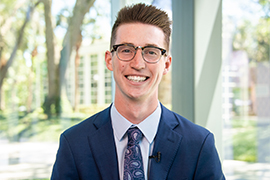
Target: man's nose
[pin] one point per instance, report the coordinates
(138, 62)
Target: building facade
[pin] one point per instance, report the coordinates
(94, 79)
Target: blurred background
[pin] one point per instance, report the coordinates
(53, 75)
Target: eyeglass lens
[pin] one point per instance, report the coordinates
(149, 54)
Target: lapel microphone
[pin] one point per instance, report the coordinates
(156, 157)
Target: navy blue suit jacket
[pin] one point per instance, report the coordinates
(87, 151)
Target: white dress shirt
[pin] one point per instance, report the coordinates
(148, 127)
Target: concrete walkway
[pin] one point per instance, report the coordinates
(27, 160)
(238, 170)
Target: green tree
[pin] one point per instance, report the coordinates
(7, 23)
(255, 39)
(56, 71)
(262, 35)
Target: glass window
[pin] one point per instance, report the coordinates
(32, 116)
(94, 79)
(246, 89)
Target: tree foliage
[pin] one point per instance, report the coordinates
(14, 25)
(255, 39)
(21, 35)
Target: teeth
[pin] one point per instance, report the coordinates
(136, 78)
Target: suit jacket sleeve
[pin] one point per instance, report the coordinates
(209, 166)
(64, 167)
(87, 151)
(187, 151)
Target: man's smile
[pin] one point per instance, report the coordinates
(137, 78)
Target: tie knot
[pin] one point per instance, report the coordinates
(134, 136)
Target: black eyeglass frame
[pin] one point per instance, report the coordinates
(163, 51)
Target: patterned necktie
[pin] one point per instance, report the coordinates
(133, 164)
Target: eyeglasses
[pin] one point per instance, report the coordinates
(126, 52)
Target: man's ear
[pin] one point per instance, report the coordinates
(108, 60)
(168, 63)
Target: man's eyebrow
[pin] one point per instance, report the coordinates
(151, 45)
(128, 43)
(148, 44)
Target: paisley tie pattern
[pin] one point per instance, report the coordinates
(133, 164)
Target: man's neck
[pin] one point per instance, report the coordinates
(135, 111)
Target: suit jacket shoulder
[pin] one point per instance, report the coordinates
(87, 150)
(89, 125)
(187, 150)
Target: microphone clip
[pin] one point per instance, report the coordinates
(156, 157)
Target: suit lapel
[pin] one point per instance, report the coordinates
(103, 147)
(167, 142)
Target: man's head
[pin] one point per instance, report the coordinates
(139, 57)
(146, 14)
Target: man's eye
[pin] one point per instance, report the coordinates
(125, 50)
(151, 52)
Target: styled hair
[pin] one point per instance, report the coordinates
(146, 14)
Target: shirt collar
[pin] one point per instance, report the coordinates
(148, 126)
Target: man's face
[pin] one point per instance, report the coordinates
(137, 79)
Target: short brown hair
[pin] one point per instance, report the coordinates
(146, 14)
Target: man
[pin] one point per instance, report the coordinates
(137, 137)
